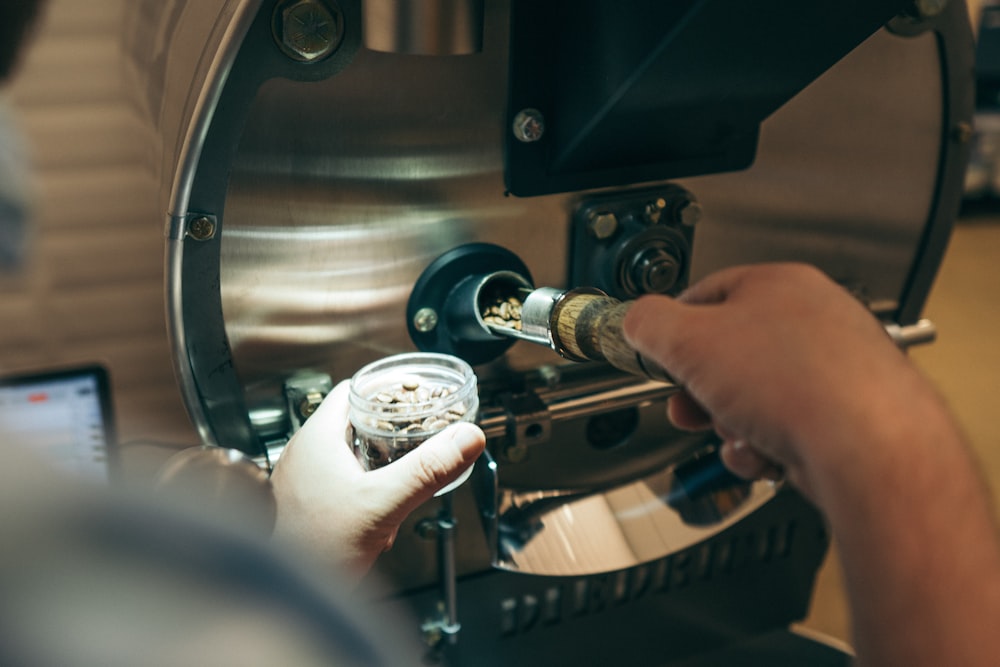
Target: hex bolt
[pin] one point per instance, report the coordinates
(690, 213)
(602, 225)
(307, 30)
(529, 125)
(425, 320)
(927, 9)
(201, 228)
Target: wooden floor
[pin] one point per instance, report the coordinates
(964, 363)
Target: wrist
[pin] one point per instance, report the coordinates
(901, 442)
(872, 435)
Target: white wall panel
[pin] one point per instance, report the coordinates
(98, 196)
(84, 135)
(83, 260)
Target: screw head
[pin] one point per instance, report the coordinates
(654, 210)
(962, 132)
(529, 125)
(308, 30)
(425, 320)
(201, 228)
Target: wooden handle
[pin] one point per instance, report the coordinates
(589, 327)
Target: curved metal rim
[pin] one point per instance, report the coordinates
(228, 34)
(957, 67)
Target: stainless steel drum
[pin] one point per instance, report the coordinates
(319, 155)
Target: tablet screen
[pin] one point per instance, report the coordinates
(64, 414)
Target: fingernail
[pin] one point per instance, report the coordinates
(469, 438)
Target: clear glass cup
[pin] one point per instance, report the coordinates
(398, 402)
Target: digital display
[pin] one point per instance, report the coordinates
(63, 415)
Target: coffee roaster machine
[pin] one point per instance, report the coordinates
(343, 178)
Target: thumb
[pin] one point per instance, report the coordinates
(413, 479)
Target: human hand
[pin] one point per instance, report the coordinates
(785, 364)
(345, 515)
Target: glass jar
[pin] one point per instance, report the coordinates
(398, 402)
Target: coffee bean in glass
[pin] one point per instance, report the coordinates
(398, 402)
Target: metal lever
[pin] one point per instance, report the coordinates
(918, 333)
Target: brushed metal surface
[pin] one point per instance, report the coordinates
(343, 191)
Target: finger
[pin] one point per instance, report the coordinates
(746, 462)
(686, 413)
(666, 331)
(678, 333)
(646, 319)
(413, 479)
(714, 288)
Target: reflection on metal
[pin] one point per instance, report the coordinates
(443, 626)
(424, 27)
(566, 533)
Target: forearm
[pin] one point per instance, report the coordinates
(917, 539)
(788, 366)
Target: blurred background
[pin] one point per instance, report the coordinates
(90, 286)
